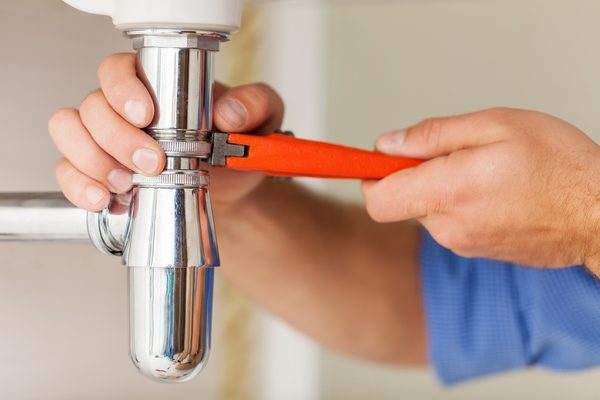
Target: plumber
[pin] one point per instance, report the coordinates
(431, 271)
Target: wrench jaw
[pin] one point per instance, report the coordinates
(222, 149)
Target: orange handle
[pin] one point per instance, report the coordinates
(281, 155)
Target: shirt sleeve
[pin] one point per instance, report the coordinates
(485, 317)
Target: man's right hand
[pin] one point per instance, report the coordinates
(103, 142)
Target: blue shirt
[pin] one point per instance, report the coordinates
(484, 317)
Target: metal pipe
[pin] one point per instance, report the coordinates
(170, 247)
(41, 217)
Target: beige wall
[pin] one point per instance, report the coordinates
(394, 63)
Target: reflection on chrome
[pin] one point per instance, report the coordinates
(170, 317)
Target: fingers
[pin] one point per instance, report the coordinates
(74, 141)
(441, 136)
(411, 193)
(80, 189)
(129, 145)
(103, 142)
(124, 91)
(247, 108)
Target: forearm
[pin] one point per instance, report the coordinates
(329, 270)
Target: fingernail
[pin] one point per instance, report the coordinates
(146, 160)
(94, 195)
(120, 180)
(135, 111)
(233, 112)
(391, 142)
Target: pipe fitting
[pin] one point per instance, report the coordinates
(164, 230)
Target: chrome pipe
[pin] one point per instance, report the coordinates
(170, 247)
(170, 335)
(41, 217)
(170, 252)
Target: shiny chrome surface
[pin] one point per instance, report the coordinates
(170, 247)
(108, 229)
(170, 320)
(170, 250)
(183, 104)
(171, 228)
(40, 216)
(177, 68)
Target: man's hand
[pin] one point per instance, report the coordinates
(505, 184)
(103, 142)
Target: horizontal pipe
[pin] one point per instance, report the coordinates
(41, 217)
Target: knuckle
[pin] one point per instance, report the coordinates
(105, 66)
(441, 201)
(500, 120)
(436, 205)
(500, 111)
(464, 253)
(462, 243)
(264, 87)
(59, 118)
(61, 169)
(92, 100)
(453, 239)
(431, 132)
(259, 95)
(268, 91)
(110, 63)
(90, 103)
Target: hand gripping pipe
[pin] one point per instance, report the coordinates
(163, 229)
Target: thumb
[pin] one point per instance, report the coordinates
(436, 137)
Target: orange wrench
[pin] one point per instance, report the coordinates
(282, 155)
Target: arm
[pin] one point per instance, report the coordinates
(325, 267)
(348, 282)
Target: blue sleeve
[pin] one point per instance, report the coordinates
(484, 317)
